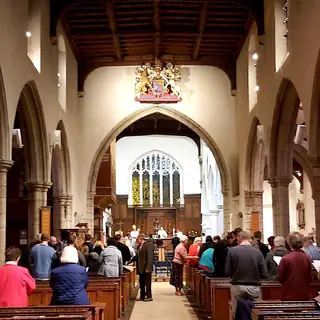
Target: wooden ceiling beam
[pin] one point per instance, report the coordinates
(156, 25)
(202, 23)
(113, 28)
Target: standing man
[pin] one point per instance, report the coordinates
(88, 242)
(246, 267)
(42, 256)
(144, 268)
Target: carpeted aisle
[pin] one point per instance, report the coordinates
(165, 305)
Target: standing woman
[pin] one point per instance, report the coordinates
(180, 257)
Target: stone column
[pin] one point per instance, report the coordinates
(226, 210)
(69, 203)
(316, 195)
(253, 202)
(4, 166)
(90, 212)
(280, 205)
(37, 192)
(59, 212)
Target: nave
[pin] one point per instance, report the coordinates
(164, 304)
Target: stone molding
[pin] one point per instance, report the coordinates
(5, 165)
(280, 182)
(38, 186)
(253, 193)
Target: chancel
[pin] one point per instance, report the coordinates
(170, 142)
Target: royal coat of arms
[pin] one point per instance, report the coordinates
(158, 83)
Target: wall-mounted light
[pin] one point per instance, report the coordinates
(255, 56)
(58, 85)
(58, 74)
(256, 88)
(28, 34)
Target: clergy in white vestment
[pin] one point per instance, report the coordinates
(162, 233)
(134, 235)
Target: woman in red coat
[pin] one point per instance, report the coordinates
(295, 272)
(16, 282)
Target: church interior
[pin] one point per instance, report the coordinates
(150, 116)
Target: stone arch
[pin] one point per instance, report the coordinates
(4, 125)
(143, 113)
(281, 154)
(314, 128)
(30, 113)
(62, 216)
(282, 131)
(255, 161)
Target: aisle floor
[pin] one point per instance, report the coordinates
(165, 305)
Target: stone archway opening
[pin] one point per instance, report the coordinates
(28, 179)
(60, 196)
(173, 114)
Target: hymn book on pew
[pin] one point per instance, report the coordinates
(316, 264)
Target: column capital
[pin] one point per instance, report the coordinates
(60, 197)
(38, 186)
(5, 165)
(253, 193)
(225, 192)
(280, 182)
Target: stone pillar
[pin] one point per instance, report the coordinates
(90, 212)
(59, 212)
(226, 210)
(4, 166)
(316, 195)
(37, 192)
(69, 203)
(280, 205)
(253, 203)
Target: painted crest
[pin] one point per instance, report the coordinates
(158, 83)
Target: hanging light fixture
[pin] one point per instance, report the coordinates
(255, 56)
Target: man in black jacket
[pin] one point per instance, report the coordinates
(263, 248)
(126, 256)
(144, 267)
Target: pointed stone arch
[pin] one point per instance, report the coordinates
(281, 153)
(61, 178)
(138, 115)
(254, 176)
(5, 143)
(30, 113)
(36, 151)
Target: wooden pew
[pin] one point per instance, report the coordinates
(103, 290)
(220, 295)
(96, 311)
(273, 314)
(86, 316)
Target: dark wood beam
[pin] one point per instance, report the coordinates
(156, 25)
(202, 23)
(113, 28)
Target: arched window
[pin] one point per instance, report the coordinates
(33, 33)
(156, 180)
(281, 18)
(62, 72)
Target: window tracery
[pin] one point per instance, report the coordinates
(156, 180)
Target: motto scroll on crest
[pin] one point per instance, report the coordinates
(158, 83)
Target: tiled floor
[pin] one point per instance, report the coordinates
(165, 305)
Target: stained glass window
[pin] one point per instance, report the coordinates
(161, 180)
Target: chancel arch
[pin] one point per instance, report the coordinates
(170, 113)
(254, 177)
(61, 171)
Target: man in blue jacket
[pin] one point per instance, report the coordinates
(42, 257)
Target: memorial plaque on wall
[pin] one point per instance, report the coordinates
(45, 215)
(255, 221)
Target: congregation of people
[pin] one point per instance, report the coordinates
(245, 259)
(65, 264)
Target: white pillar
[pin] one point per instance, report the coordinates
(4, 166)
(151, 187)
(226, 210)
(69, 202)
(90, 212)
(171, 189)
(141, 187)
(37, 194)
(161, 189)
